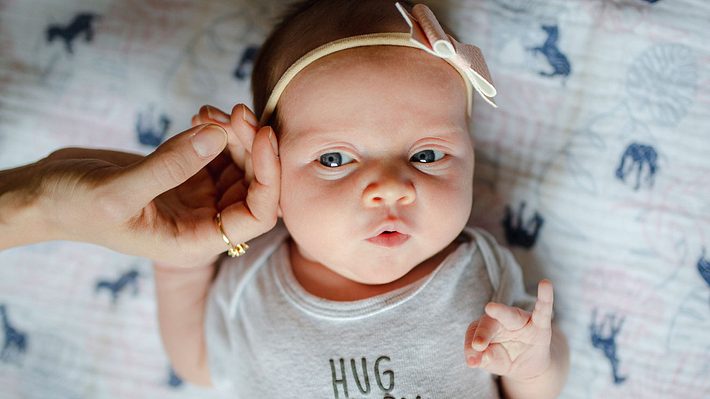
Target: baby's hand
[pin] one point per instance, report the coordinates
(509, 341)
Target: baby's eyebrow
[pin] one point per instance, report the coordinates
(320, 136)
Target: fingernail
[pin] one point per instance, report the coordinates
(216, 115)
(274, 144)
(209, 140)
(248, 117)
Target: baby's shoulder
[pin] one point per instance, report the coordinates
(485, 247)
(479, 239)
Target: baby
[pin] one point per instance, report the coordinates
(372, 286)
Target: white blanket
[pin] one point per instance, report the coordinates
(595, 170)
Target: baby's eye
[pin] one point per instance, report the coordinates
(427, 156)
(334, 159)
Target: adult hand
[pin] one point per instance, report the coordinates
(161, 206)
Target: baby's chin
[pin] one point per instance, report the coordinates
(378, 276)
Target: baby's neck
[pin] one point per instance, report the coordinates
(324, 283)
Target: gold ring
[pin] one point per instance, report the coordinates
(233, 250)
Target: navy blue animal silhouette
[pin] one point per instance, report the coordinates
(15, 341)
(636, 157)
(82, 24)
(518, 233)
(557, 60)
(115, 287)
(173, 380)
(607, 343)
(704, 267)
(651, 1)
(148, 134)
(243, 70)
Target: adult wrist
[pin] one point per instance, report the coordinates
(22, 219)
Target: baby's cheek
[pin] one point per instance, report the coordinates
(305, 205)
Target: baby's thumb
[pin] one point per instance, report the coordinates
(173, 162)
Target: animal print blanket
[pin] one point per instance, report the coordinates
(594, 171)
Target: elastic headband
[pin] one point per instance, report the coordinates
(425, 33)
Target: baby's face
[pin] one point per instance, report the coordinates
(356, 127)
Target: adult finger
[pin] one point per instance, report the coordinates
(510, 317)
(219, 164)
(211, 114)
(542, 314)
(235, 193)
(119, 158)
(244, 124)
(258, 213)
(235, 146)
(171, 164)
(230, 175)
(486, 330)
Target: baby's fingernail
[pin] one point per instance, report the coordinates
(216, 115)
(274, 144)
(248, 117)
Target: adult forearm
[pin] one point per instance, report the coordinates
(22, 221)
(182, 296)
(551, 382)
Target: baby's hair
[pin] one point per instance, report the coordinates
(308, 24)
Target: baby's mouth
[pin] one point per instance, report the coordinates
(389, 239)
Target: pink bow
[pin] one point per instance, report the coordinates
(428, 34)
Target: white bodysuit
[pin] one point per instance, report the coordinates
(267, 337)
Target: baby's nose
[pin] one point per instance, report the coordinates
(389, 190)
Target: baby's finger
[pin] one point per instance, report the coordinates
(494, 359)
(487, 329)
(258, 214)
(542, 314)
(468, 338)
(510, 317)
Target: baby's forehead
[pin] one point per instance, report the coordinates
(375, 80)
(389, 98)
(383, 60)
